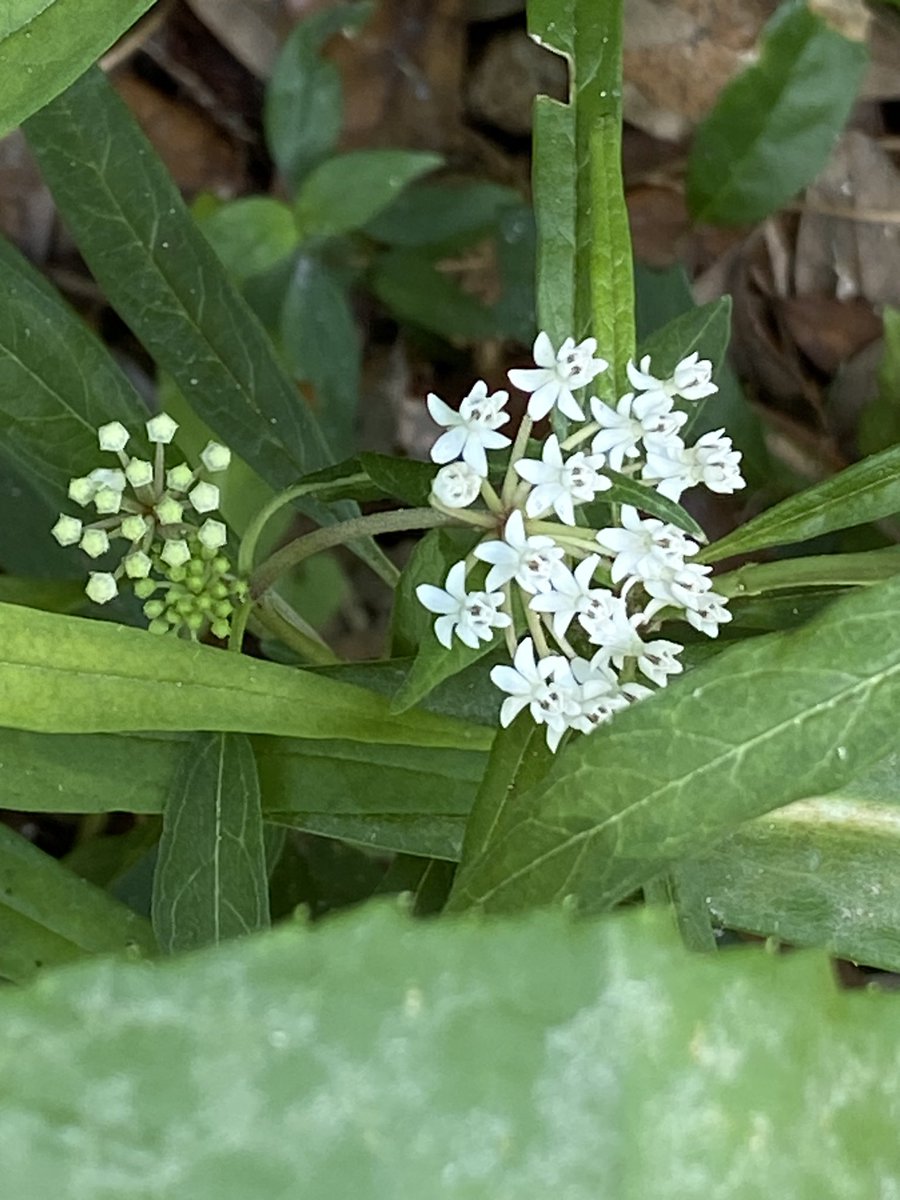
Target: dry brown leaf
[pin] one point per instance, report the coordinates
(848, 242)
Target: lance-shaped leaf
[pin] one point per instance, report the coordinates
(58, 383)
(774, 126)
(770, 721)
(48, 916)
(63, 674)
(211, 882)
(591, 1059)
(45, 44)
(585, 284)
(165, 280)
(867, 491)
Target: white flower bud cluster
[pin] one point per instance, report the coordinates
(589, 601)
(172, 543)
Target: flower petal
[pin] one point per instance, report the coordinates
(435, 599)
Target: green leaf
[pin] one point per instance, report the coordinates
(413, 624)
(774, 126)
(410, 284)
(107, 858)
(211, 881)
(820, 872)
(163, 277)
(626, 490)
(51, 595)
(705, 328)
(601, 1057)
(585, 284)
(766, 722)
(250, 235)
(402, 478)
(49, 916)
(345, 192)
(426, 214)
(58, 383)
(68, 675)
(321, 346)
(879, 425)
(46, 44)
(813, 571)
(867, 491)
(304, 107)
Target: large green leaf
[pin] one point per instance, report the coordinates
(774, 126)
(867, 491)
(163, 277)
(372, 1056)
(46, 44)
(250, 235)
(766, 722)
(584, 274)
(49, 916)
(879, 425)
(211, 881)
(63, 674)
(58, 383)
(820, 872)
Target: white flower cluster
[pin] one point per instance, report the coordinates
(587, 600)
(162, 515)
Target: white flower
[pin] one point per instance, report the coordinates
(708, 614)
(95, 542)
(534, 562)
(113, 436)
(67, 530)
(655, 659)
(101, 587)
(642, 546)
(601, 615)
(213, 534)
(546, 687)
(180, 478)
(570, 596)
(633, 419)
(683, 586)
(108, 477)
(472, 430)
(176, 552)
(139, 472)
(204, 497)
(456, 485)
(598, 694)
(560, 484)
(691, 379)
(107, 501)
(473, 616)
(712, 460)
(215, 457)
(161, 429)
(558, 375)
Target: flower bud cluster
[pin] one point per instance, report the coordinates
(172, 542)
(588, 601)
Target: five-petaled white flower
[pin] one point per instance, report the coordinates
(558, 374)
(657, 659)
(546, 687)
(533, 561)
(691, 379)
(561, 483)
(472, 430)
(673, 467)
(571, 596)
(683, 586)
(597, 693)
(708, 614)
(472, 616)
(649, 418)
(643, 546)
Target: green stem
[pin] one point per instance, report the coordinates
(580, 436)
(511, 481)
(278, 618)
(338, 535)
